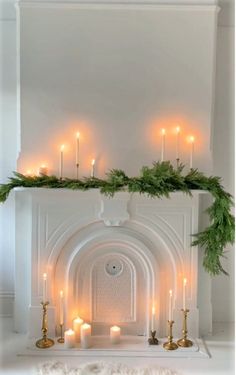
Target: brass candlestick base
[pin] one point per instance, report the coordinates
(170, 344)
(61, 339)
(185, 342)
(177, 162)
(44, 342)
(153, 340)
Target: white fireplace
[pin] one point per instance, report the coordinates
(113, 257)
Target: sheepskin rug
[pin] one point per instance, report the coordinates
(101, 368)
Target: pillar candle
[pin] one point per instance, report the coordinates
(77, 149)
(163, 144)
(44, 287)
(170, 305)
(153, 318)
(61, 308)
(85, 336)
(69, 337)
(61, 160)
(184, 293)
(191, 151)
(92, 167)
(177, 141)
(115, 334)
(76, 327)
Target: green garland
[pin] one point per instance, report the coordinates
(157, 181)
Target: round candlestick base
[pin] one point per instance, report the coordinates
(170, 345)
(44, 343)
(61, 340)
(184, 343)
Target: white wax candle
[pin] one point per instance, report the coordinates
(69, 337)
(170, 305)
(44, 287)
(92, 167)
(61, 308)
(191, 151)
(85, 336)
(43, 171)
(115, 334)
(76, 327)
(153, 318)
(163, 144)
(61, 160)
(77, 149)
(184, 293)
(177, 141)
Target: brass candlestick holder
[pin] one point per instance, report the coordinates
(153, 340)
(185, 342)
(170, 344)
(61, 339)
(44, 342)
(177, 163)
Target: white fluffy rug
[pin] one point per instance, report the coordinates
(101, 368)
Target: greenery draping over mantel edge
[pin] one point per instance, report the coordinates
(156, 181)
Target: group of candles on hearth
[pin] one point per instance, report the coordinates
(81, 331)
(43, 170)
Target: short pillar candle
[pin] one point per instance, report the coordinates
(115, 335)
(76, 327)
(69, 337)
(85, 336)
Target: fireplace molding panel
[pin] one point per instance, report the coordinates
(112, 257)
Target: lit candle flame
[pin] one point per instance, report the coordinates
(163, 131)
(61, 293)
(62, 147)
(170, 292)
(93, 161)
(177, 129)
(45, 276)
(192, 139)
(185, 281)
(153, 310)
(77, 135)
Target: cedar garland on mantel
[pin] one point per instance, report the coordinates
(156, 181)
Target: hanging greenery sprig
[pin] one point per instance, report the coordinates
(157, 181)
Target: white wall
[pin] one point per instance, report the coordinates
(222, 138)
(223, 150)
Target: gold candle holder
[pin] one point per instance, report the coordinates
(177, 163)
(170, 344)
(153, 340)
(44, 342)
(185, 342)
(61, 339)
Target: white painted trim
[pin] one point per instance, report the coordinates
(120, 4)
(6, 304)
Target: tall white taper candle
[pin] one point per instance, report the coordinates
(177, 141)
(170, 305)
(61, 308)
(153, 317)
(184, 293)
(191, 151)
(77, 149)
(61, 160)
(92, 167)
(44, 287)
(163, 144)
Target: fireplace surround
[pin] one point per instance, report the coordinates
(113, 257)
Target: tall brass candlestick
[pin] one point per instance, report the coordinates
(185, 342)
(170, 344)
(44, 342)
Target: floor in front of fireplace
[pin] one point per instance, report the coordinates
(220, 345)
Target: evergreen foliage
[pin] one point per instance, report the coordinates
(157, 181)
